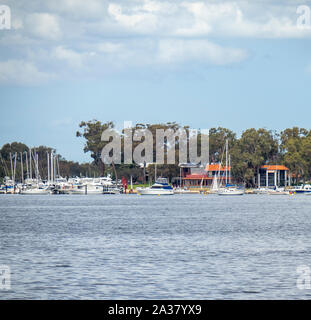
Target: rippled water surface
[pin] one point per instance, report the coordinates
(135, 247)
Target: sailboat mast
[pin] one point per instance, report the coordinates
(30, 165)
(27, 167)
(15, 168)
(226, 161)
(52, 167)
(22, 168)
(58, 167)
(229, 168)
(48, 165)
(11, 161)
(37, 165)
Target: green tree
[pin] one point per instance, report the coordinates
(92, 132)
(217, 140)
(295, 146)
(254, 149)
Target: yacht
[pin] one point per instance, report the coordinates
(35, 191)
(160, 187)
(279, 191)
(78, 189)
(231, 191)
(303, 189)
(261, 191)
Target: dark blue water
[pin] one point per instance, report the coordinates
(135, 247)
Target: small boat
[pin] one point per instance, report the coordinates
(111, 190)
(160, 187)
(35, 191)
(302, 189)
(94, 188)
(231, 191)
(279, 191)
(78, 189)
(261, 191)
(183, 191)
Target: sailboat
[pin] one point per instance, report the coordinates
(229, 190)
(215, 187)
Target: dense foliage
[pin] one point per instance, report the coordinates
(254, 148)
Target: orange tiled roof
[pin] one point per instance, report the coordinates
(200, 177)
(215, 167)
(275, 167)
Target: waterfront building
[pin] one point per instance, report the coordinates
(193, 175)
(273, 176)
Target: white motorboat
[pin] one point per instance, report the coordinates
(111, 190)
(261, 191)
(231, 191)
(183, 191)
(160, 187)
(78, 189)
(35, 191)
(279, 191)
(302, 189)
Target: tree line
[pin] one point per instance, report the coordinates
(254, 148)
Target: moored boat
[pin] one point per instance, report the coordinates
(231, 191)
(35, 191)
(160, 187)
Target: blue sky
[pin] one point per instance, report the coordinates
(199, 63)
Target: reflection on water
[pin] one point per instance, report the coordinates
(132, 247)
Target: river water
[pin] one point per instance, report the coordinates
(161, 247)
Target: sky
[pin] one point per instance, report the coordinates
(237, 64)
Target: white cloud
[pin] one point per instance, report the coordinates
(143, 20)
(22, 73)
(238, 19)
(88, 38)
(109, 47)
(44, 25)
(72, 58)
(177, 51)
(79, 9)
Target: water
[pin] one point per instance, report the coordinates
(135, 247)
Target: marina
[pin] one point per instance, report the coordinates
(156, 153)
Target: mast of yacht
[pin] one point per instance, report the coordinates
(52, 169)
(58, 172)
(226, 161)
(30, 164)
(11, 161)
(37, 166)
(27, 167)
(14, 168)
(229, 168)
(48, 165)
(22, 168)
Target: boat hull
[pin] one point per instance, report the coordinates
(35, 192)
(154, 192)
(231, 193)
